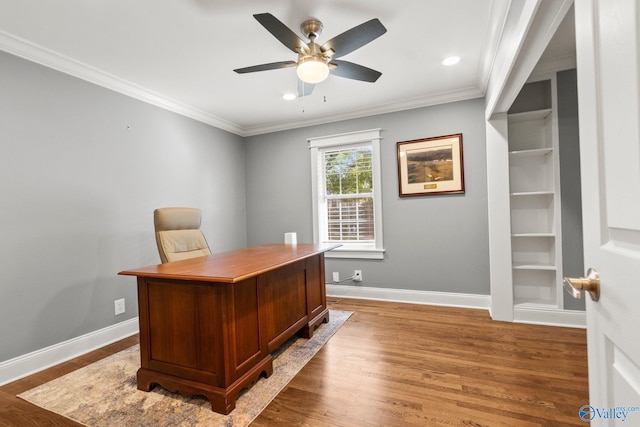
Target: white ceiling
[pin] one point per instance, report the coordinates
(180, 54)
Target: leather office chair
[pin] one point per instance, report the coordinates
(178, 234)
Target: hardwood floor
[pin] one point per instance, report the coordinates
(15, 412)
(398, 364)
(414, 365)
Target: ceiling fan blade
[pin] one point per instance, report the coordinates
(353, 71)
(281, 32)
(304, 89)
(265, 67)
(355, 38)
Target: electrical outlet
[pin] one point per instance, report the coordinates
(357, 276)
(336, 277)
(119, 306)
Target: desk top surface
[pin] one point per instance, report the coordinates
(233, 266)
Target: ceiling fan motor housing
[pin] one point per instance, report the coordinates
(311, 28)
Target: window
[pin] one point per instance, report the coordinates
(347, 203)
(348, 195)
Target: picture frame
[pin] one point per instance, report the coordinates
(431, 166)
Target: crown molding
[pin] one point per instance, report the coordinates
(499, 11)
(410, 104)
(51, 59)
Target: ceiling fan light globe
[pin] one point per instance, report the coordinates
(312, 70)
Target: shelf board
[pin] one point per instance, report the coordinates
(533, 235)
(528, 116)
(532, 193)
(523, 266)
(530, 303)
(531, 152)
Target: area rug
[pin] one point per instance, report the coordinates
(105, 394)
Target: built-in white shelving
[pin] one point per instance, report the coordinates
(534, 196)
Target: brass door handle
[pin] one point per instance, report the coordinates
(591, 284)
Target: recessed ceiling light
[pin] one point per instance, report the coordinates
(452, 60)
(289, 96)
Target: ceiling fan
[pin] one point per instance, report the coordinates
(315, 62)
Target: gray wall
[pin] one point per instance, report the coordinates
(568, 132)
(83, 167)
(81, 170)
(433, 243)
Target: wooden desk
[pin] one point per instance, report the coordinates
(209, 324)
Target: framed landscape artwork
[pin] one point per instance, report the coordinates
(431, 166)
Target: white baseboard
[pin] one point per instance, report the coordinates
(410, 296)
(535, 316)
(22, 366)
(550, 317)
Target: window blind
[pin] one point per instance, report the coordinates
(349, 194)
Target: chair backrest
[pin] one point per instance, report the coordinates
(178, 234)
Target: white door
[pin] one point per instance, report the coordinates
(608, 56)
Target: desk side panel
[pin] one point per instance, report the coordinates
(244, 333)
(316, 289)
(283, 303)
(185, 330)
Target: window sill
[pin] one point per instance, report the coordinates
(345, 253)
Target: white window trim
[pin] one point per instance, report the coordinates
(373, 250)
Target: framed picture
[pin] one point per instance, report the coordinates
(431, 166)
